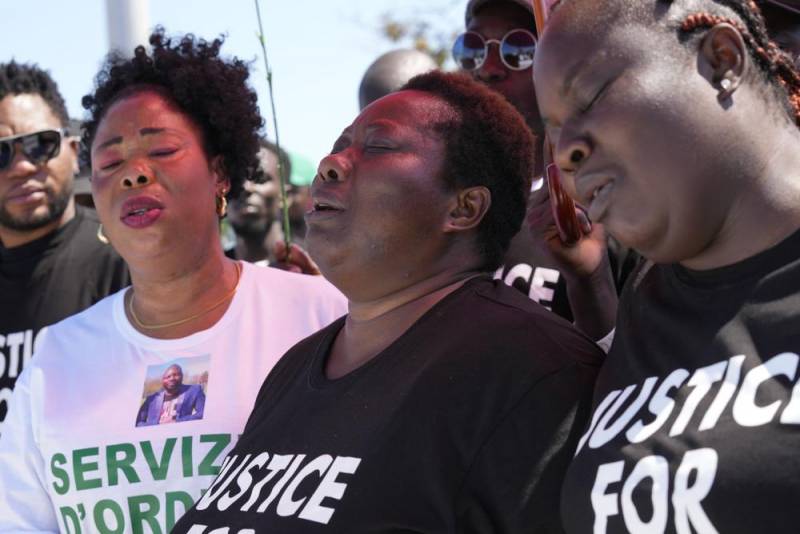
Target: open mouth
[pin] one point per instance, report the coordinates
(324, 206)
(139, 212)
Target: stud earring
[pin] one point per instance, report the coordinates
(725, 84)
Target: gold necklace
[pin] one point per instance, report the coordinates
(143, 326)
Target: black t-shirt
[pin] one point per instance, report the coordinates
(696, 423)
(464, 424)
(47, 280)
(528, 270)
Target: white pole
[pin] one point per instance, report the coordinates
(128, 24)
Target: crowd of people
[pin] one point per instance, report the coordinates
(440, 360)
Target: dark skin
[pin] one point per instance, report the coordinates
(392, 267)
(585, 266)
(253, 213)
(171, 380)
(26, 188)
(147, 148)
(620, 119)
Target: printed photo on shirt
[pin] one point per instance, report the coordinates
(174, 392)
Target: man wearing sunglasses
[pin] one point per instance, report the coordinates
(577, 282)
(52, 263)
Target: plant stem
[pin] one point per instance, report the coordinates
(287, 231)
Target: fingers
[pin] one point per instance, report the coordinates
(295, 260)
(279, 249)
(583, 220)
(300, 258)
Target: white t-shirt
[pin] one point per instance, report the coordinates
(82, 449)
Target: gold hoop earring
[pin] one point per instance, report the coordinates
(222, 206)
(101, 236)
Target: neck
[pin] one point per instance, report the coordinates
(409, 297)
(16, 238)
(160, 296)
(372, 326)
(765, 211)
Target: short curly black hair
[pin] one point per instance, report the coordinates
(25, 78)
(486, 143)
(212, 91)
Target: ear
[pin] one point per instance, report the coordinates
(725, 52)
(221, 180)
(469, 208)
(74, 148)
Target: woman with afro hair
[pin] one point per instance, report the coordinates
(681, 136)
(172, 133)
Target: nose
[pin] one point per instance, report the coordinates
(571, 150)
(492, 69)
(333, 168)
(20, 165)
(137, 179)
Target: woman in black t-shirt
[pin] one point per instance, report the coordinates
(682, 137)
(444, 401)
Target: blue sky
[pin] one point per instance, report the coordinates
(319, 49)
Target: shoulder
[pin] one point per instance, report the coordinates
(524, 327)
(153, 396)
(73, 340)
(488, 333)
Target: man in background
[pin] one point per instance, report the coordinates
(256, 214)
(54, 261)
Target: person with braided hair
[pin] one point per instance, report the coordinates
(676, 123)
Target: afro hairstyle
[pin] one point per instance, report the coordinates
(210, 90)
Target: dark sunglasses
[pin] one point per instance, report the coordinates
(516, 49)
(38, 147)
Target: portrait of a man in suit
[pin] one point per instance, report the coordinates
(174, 403)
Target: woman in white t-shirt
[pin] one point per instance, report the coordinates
(172, 133)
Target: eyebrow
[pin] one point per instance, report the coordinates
(588, 62)
(574, 72)
(109, 142)
(151, 131)
(382, 124)
(118, 139)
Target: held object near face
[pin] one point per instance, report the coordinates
(562, 205)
